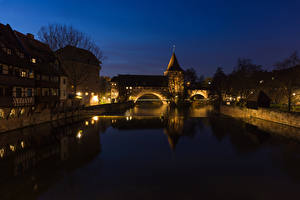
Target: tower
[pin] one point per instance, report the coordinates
(176, 77)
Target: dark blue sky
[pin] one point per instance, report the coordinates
(137, 36)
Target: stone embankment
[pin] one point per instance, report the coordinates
(46, 115)
(278, 122)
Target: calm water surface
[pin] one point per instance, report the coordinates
(149, 153)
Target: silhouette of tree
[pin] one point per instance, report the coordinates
(218, 85)
(58, 36)
(244, 78)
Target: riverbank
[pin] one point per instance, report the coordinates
(286, 118)
(47, 115)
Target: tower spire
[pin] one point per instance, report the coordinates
(174, 47)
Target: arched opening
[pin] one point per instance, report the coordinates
(149, 98)
(197, 97)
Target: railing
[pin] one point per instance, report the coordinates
(23, 101)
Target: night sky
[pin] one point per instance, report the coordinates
(137, 36)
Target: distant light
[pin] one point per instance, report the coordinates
(78, 93)
(86, 93)
(131, 88)
(33, 60)
(79, 134)
(209, 82)
(261, 81)
(22, 144)
(294, 94)
(86, 123)
(12, 148)
(96, 118)
(2, 151)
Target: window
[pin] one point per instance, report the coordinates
(29, 92)
(18, 92)
(33, 60)
(1, 114)
(31, 74)
(23, 74)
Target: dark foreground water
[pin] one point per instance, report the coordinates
(149, 153)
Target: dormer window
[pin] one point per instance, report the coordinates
(33, 60)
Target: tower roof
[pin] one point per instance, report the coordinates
(173, 64)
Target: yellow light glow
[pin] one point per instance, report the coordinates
(22, 144)
(294, 94)
(78, 93)
(96, 118)
(86, 123)
(2, 151)
(12, 148)
(94, 100)
(93, 122)
(86, 93)
(79, 134)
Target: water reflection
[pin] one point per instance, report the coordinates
(155, 152)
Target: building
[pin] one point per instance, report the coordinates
(169, 86)
(30, 73)
(83, 71)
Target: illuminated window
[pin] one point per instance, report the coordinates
(33, 60)
(23, 74)
(1, 114)
(2, 153)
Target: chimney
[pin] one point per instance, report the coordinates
(30, 36)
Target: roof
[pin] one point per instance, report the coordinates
(141, 80)
(173, 64)
(30, 48)
(71, 53)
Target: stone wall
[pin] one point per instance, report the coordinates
(290, 119)
(45, 115)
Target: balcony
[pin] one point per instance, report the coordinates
(23, 101)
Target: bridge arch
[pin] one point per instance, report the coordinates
(203, 93)
(162, 97)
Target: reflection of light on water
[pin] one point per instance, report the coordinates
(148, 110)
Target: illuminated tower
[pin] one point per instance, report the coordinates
(176, 76)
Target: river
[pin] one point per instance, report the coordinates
(149, 152)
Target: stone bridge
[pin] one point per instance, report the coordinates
(161, 93)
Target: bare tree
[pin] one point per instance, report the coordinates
(289, 62)
(58, 36)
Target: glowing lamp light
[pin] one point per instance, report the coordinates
(12, 148)
(2, 151)
(96, 118)
(94, 100)
(86, 93)
(79, 134)
(86, 123)
(78, 93)
(22, 144)
(294, 94)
